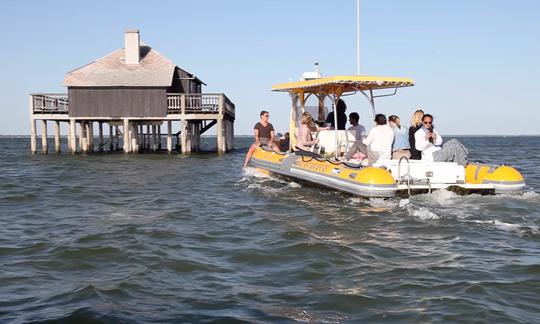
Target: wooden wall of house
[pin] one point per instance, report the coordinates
(117, 102)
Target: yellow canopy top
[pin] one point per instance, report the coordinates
(342, 84)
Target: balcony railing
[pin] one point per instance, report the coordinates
(50, 103)
(206, 103)
(177, 103)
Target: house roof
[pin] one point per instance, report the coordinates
(153, 70)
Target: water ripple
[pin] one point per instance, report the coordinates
(158, 238)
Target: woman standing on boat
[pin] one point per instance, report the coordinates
(416, 123)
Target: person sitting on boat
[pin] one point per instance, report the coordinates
(341, 108)
(430, 143)
(360, 134)
(378, 143)
(360, 130)
(304, 140)
(401, 147)
(416, 123)
(379, 140)
(285, 142)
(264, 136)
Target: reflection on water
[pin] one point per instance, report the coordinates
(136, 238)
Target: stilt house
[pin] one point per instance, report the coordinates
(134, 90)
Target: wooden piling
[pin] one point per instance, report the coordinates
(100, 131)
(183, 136)
(90, 135)
(33, 136)
(154, 138)
(57, 136)
(220, 137)
(169, 136)
(117, 138)
(134, 138)
(72, 136)
(83, 139)
(127, 142)
(147, 137)
(44, 147)
(159, 136)
(111, 138)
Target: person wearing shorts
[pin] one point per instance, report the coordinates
(264, 136)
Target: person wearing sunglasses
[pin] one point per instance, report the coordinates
(264, 136)
(430, 143)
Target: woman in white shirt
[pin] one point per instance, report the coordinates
(430, 143)
(379, 140)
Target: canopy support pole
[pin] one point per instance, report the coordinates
(335, 99)
(371, 100)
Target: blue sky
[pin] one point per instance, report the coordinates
(475, 63)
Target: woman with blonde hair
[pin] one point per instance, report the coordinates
(416, 123)
(304, 140)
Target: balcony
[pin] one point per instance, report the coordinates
(177, 104)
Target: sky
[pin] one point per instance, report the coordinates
(474, 63)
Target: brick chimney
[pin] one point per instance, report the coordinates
(131, 45)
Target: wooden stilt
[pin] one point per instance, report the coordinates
(147, 137)
(101, 142)
(33, 133)
(90, 135)
(81, 133)
(159, 137)
(220, 139)
(57, 136)
(111, 138)
(33, 136)
(83, 142)
(117, 138)
(154, 138)
(44, 147)
(127, 141)
(169, 136)
(72, 136)
(183, 136)
(134, 138)
(141, 137)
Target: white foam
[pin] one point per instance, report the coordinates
(500, 225)
(403, 203)
(293, 184)
(382, 203)
(423, 214)
(442, 197)
(253, 172)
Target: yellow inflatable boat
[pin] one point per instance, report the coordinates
(385, 178)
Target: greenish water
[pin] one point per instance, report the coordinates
(157, 238)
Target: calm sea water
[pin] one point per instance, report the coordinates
(157, 238)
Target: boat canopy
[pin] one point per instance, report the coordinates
(343, 84)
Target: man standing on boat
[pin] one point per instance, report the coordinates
(264, 136)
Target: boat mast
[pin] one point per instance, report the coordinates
(358, 37)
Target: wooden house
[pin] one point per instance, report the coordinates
(135, 90)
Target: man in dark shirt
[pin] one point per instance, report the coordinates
(264, 136)
(341, 108)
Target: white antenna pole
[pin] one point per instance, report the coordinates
(358, 37)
